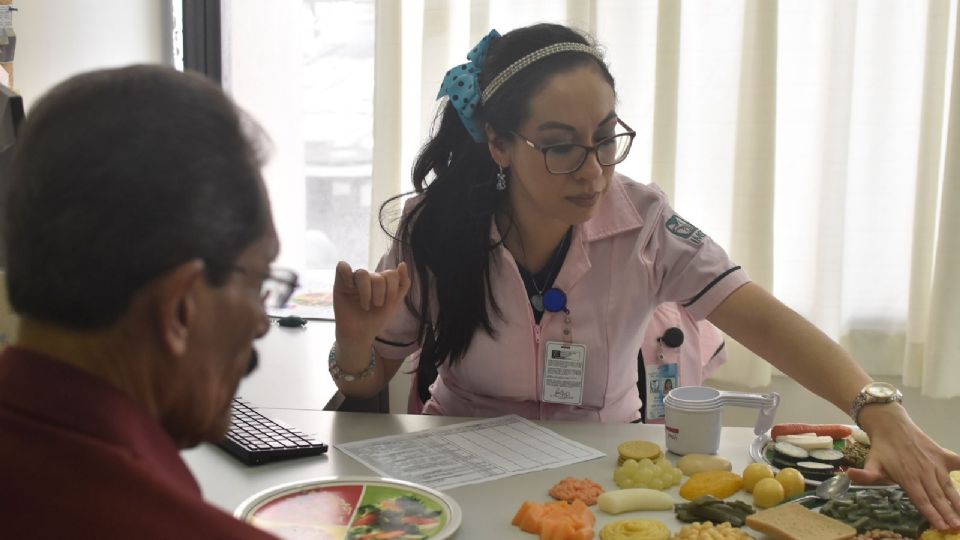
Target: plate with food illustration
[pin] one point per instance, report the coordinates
(352, 508)
(818, 451)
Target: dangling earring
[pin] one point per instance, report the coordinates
(501, 180)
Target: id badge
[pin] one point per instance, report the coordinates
(563, 372)
(661, 378)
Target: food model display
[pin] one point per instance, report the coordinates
(771, 498)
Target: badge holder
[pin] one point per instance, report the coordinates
(565, 361)
(555, 301)
(661, 377)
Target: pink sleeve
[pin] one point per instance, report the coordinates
(399, 338)
(712, 348)
(688, 266)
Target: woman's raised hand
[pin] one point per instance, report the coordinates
(364, 302)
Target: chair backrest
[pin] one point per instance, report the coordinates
(414, 402)
(379, 403)
(9, 322)
(11, 116)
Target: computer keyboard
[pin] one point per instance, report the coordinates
(254, 438)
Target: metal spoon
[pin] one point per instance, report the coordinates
(831, 488)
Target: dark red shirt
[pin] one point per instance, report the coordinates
(81, 459)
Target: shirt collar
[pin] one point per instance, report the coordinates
(617, 214)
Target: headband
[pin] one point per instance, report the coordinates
(538, 54)
(462, 83)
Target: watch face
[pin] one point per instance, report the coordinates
(881, 390)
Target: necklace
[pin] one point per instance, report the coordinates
(537, 299)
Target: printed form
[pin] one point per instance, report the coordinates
(469, 453)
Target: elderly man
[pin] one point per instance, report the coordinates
(139, 239)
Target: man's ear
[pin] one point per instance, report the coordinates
(177, 304)
(499, 149)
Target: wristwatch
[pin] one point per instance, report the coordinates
(875, 393)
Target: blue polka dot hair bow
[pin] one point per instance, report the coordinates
(461, 83)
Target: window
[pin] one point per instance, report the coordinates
(304, 70)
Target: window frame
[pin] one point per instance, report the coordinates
(202, 51)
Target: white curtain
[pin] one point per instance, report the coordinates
(818, 140)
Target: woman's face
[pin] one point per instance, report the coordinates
(573, 107)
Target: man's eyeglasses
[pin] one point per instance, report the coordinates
(277, 287)
(567, 158)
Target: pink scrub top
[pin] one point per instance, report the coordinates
(633, 255)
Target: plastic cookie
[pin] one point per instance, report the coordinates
(638, 450)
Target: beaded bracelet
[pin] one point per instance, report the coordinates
(338, 373)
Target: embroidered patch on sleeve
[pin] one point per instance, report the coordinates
(684, 229)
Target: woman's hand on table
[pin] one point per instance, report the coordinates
(364, 302)
(902, 453)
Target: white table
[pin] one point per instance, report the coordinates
(487, 507)
(293, 368)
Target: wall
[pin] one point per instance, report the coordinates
(60, 38)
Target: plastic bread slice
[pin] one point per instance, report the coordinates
(797, 522)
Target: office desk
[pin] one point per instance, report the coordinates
(487, 507)
(293, 368)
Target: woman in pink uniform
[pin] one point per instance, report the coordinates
(525, 268)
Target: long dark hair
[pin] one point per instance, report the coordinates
(448, 232)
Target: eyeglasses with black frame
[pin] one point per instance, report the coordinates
(277, 287)
(566, 158)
